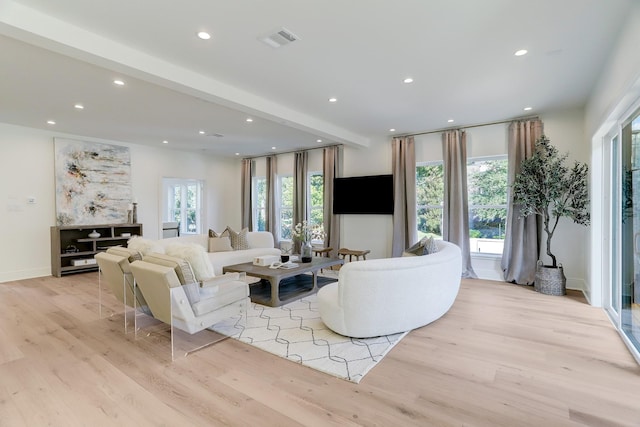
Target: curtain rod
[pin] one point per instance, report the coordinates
(291, 151)
(467, 127)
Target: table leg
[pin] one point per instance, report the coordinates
(275, 292)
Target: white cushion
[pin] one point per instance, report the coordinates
(145, 246)
(196, 256)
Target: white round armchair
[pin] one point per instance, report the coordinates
(386, 296)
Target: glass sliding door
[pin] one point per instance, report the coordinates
(628, 253)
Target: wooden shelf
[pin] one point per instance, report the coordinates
(77, 237)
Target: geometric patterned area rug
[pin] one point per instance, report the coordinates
(295, 332)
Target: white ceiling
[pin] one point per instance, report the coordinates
(460, 54)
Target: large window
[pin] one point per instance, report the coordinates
(285, 209)
(487, 195)
(259, 192)
(429, 196)
(182, 202)
(316, 198)
(315, 191)
(487, 192)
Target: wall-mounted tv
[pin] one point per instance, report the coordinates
(363, 195)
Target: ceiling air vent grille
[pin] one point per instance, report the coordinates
(280, 38)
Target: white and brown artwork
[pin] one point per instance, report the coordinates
(93, 182)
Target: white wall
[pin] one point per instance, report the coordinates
(373, 232)
(27, 170)
(570, 242)
(564, 128)
(617, 90)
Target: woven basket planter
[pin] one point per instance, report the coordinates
(550, 280)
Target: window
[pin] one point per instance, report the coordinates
(182, 203)
(429, 196)
(315, 191)
(285, 197)
(316, 198)
(487, 196)
(259, 191)
(487, 192)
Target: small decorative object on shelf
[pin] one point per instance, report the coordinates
(94, 234)
(134, 213)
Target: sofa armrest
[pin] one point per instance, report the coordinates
(218, 280)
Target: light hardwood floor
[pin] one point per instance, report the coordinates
(502, 356)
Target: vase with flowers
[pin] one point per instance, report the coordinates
(304, 233)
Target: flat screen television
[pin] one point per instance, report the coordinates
(363, 195)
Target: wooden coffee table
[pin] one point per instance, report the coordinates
(301, 285)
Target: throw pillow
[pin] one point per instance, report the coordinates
(238, 239)
(432, 246)
(418, 248)
(220, 244)
(196, 256)
(144, 246)
(213, 233)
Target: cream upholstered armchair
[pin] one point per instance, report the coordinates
(177, 299)
(115, 273)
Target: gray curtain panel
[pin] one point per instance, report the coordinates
(245, 188)
(331, 168)
(300, 189)
(455, 215)
(271, 220)
(521, 243)
(405, 227)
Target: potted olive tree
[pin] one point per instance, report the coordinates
(548, 188)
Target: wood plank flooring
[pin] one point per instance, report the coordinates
(502, 356)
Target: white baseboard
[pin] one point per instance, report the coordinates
(9, 276)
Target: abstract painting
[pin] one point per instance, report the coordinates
(93, 182)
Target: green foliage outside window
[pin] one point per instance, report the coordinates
(487, 190)
(429, 195)
(487, 193)
(286, 206)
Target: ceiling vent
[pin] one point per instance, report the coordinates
(217, 135)
(280, 38)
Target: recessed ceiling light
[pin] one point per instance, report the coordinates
(249, 119)
(237, 154)
(51, 122)
(408, 80)
(118, 82)
(201, 132)
(79, 107)
(528, 108)
(521, 52)
(204, 35)
(318, 140)
(450, 121)
(392, 130)
(165, 142)
(273, 148)
(333, 99)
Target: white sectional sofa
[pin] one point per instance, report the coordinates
(386, 296)
(259, 242)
